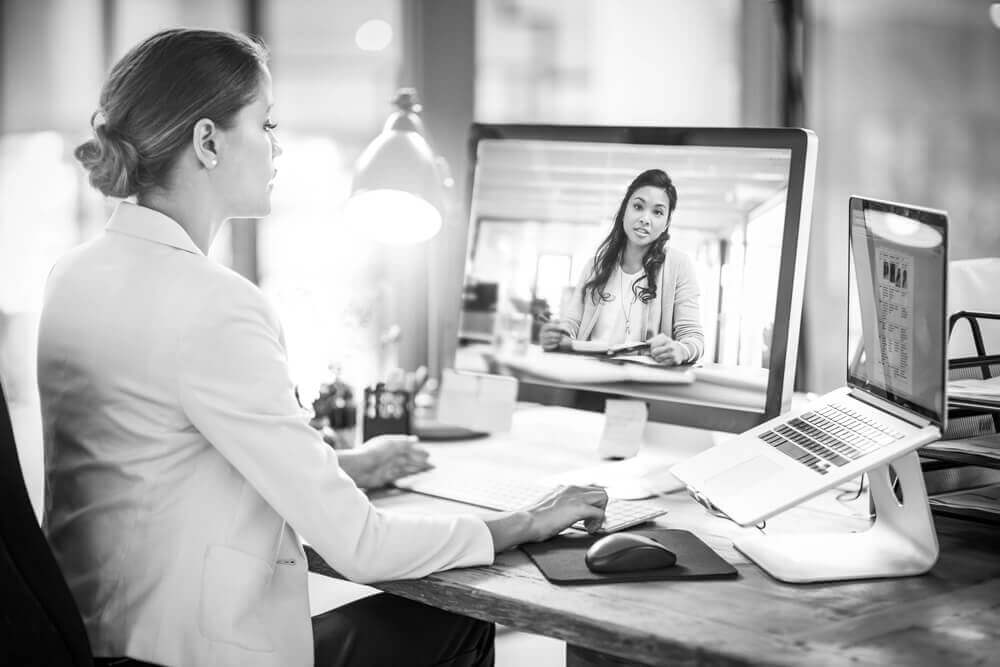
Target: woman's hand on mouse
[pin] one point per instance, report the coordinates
(550, 335)
(667, 351)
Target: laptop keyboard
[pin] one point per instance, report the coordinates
(507, 494)
(831, 436)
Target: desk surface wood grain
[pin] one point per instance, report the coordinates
(950, 616)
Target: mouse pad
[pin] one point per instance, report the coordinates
(561, 559)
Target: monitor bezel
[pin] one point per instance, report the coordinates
(939, 220)
(791, 277)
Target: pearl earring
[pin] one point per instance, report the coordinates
(213, 163)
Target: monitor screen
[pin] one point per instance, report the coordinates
(897, 340)
(683, 245)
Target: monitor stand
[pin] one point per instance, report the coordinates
(900, 542)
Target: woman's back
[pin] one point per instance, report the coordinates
(126, 471)
(175, 453)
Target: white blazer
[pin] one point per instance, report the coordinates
(180, 470)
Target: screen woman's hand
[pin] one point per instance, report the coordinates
(550, 335)
(667, 351)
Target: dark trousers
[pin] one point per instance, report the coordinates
(386, 630)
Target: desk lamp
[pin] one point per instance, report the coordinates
(399, 193)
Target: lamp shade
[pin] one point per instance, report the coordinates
(398, 191)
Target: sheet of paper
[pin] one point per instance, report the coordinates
(986, 499)
(588, 346)
(477, 401)
(641, 359)
(983, 390)
(985, 445)
(571, 368)
(633, 479)
(598, 346)
(624, 422)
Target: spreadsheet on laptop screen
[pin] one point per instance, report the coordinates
(897, 326)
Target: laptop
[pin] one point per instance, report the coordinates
(894, 400)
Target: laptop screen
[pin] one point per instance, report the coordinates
(897, 328)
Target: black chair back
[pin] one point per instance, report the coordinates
(39, 620)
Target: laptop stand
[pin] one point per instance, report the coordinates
(900, 542)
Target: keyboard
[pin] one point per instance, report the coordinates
(831, 436)
(510, 494)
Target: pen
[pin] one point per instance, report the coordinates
(628, 348)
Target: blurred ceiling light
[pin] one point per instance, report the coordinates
(904, 231)
(373, 35)
(995, 14)
(400, 187)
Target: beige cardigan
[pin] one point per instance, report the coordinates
(678, 287)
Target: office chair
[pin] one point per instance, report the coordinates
(974, 340)
(973, 352)
(972, 287)
(39, 621)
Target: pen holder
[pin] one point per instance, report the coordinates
(387, 412)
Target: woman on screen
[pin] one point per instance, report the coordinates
(639, 289)
(181, 474)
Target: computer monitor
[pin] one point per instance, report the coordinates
(543, 197)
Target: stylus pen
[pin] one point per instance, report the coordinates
(630, 348)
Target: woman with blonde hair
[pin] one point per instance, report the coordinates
(181, 474)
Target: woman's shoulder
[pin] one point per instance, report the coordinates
(228, 287)
(208, 292)
(677, 259)
(226, 278)
(675, 254)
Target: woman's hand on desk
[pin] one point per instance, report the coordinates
(566, 505)
(554, 513)
(550, 335)
(384, 459)
(667, 351)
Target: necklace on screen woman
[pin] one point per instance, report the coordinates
(626, 313)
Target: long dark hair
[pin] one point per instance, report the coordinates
(156, 93)
(610, 251)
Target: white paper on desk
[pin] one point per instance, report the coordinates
(985, 499)
(575, 368)
(985, 391)
(624, 422)
(985, 445)
(641, 359)
(477, 401)
(633, 479)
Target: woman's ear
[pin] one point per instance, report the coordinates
(205, 141)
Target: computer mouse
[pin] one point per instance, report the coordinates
(627, 552)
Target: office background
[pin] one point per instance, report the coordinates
(904, 96)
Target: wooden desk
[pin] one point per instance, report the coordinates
(950, 616)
